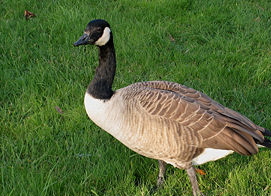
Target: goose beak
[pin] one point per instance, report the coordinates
(83, 40)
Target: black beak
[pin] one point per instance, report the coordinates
(83, 40)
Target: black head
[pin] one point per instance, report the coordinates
(97, 33)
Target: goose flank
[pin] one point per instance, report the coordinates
(164, 120)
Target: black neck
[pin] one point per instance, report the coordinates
(101, 85)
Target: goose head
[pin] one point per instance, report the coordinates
(96, 33)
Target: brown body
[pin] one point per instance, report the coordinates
(174, 123)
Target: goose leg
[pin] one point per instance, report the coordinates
(162, 171)
(193, 179)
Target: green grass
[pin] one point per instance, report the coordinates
(222, 48)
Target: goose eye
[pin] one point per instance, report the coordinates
(100, 30)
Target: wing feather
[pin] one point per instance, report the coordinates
(219, 127)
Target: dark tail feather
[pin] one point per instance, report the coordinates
(266, 142)
(267, 132)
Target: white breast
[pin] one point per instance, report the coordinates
(105, 114)
(210, 154)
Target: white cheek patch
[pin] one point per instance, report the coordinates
(105, 37)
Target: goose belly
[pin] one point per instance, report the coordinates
(210, 154)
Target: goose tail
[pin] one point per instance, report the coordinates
(267, 138)
(267, 133)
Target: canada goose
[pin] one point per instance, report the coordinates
(164, 120)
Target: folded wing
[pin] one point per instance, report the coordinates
(219, 127)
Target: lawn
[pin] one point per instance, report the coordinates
(48, 146)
